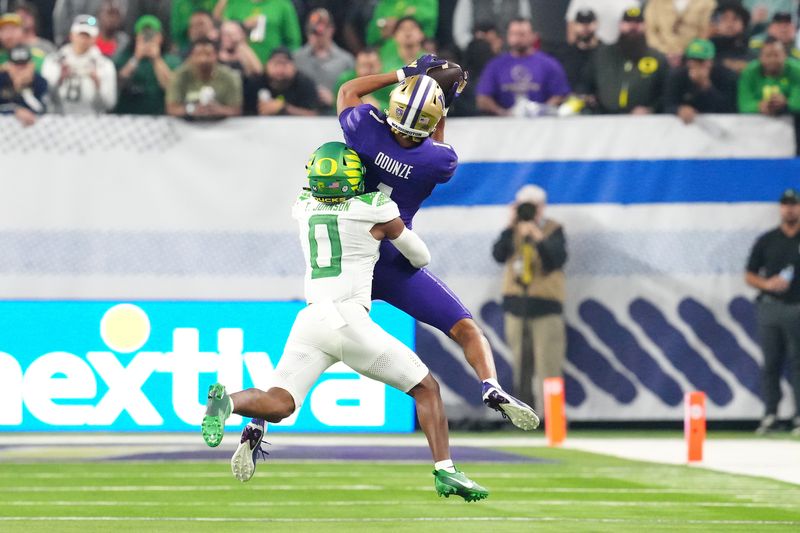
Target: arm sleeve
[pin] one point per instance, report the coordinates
(449, 163)
(504, 246)
(427, 14)
(175, 88)
(793, 99)
(553, 250)
(108, 86)
(748, 100)
(413, 248)
(462, 23)
(383, 209)
(673, 90)
(557, 82)
(351, 121)
(292, 36)
(756, 259)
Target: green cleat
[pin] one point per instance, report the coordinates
(218, 409)
(458, 484)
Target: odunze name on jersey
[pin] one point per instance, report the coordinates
(401, 170)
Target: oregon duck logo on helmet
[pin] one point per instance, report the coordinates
(416, 106)
(335, 173)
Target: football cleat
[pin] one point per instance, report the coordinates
(243, 462)
(218, 409)
(457, 483)
(519, 413)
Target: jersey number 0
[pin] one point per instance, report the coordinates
(331, 246)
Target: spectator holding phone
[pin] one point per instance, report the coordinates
(82, 80)
(145, 73)
(771, 84)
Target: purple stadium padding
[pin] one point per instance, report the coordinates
(344, 453)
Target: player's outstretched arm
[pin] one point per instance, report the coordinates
(406, 241)
(351, 92)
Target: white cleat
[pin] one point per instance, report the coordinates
(519, 413)
(243, 462)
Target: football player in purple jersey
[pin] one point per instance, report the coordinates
(405, 156)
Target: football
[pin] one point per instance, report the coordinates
(446, 76)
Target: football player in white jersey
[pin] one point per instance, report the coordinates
(341, 229)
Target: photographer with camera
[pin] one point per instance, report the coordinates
(533, 249)
(144, 75)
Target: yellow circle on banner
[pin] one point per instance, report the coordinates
(332, 166)
(125, 328)
(648, 65)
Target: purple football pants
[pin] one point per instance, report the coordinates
(415, 291)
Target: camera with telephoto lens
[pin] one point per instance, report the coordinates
(526, 212)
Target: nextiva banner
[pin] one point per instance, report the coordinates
(147, 367)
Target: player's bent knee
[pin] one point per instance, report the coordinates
(428, 385)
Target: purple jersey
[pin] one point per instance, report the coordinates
(407, 175)
(538, 77)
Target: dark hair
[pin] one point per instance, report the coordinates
(771, 40)
(406, 19)
(369, 50)
(732, 5)
(205, 12)
(204, 41)
(484, 26)
(32, 10)
(519, 20)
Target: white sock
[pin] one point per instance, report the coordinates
(493, 382)
(446, 465)
(230, 399)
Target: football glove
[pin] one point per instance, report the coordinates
(420, 66)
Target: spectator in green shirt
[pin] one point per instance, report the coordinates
(404, 47)
(145, 73)
(368, 62)
(389, 12)
(771, 84)
(182, 11)
(271, 23)
(202, 87)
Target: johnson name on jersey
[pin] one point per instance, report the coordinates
(339, 250)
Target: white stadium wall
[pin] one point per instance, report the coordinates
(191, 223)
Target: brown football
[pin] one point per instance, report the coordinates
(446, 76)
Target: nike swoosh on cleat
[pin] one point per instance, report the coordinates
(471, 483)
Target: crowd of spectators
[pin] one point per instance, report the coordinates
(220, 58)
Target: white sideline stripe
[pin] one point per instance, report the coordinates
(184, 488)
(398, 519)
(204, 488)
(351, 503)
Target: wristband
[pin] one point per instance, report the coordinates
(400, 75)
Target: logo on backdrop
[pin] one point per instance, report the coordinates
(154, 370)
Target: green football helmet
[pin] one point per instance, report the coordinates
(335, 173)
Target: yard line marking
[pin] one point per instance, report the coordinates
(316, 487)
(183, 488)
(354, 503)
(438, 519)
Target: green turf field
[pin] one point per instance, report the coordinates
(578, 492)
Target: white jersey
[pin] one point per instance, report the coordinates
(78, 93)
(339, 251)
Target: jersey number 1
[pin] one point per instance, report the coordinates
(332, 254)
